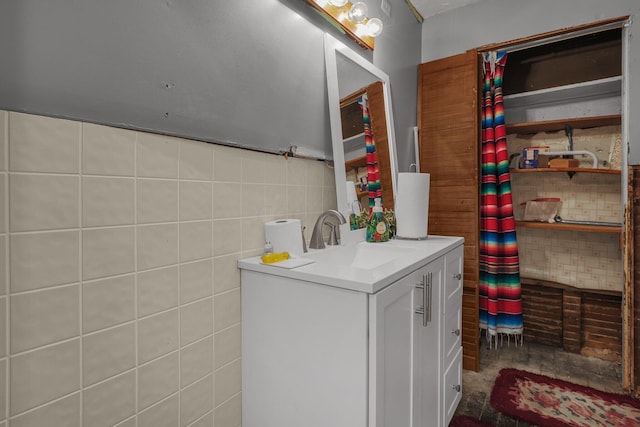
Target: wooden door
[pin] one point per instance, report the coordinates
(449, 123)
(631, 295)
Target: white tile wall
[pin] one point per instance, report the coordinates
(44, 374)
(157, 200)
(119, 291)
(196, 361)
(158, 379)
(109, 402)
(63, 412)
(107, 252)
(107, 201)
(43, 202)
(108, 302)
(158, 290)
(108, 352)
(108, 151)
(195, 400)
(43, 144)
(56, 255)
(163, 414)
(45, 317)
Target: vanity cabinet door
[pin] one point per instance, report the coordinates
(427, 344)
(391, 318)
(452, 387)
(304, 354)
(452, 306)
(451, 352)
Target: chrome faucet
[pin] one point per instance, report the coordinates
(317, 241)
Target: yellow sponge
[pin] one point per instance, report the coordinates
(277, 257)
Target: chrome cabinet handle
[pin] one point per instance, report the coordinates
(456, 387)
(456, 332)
(429, 280)
(457, 276)
(425, 309)
(420, 310)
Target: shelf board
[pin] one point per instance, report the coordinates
(358, 162)
(570, 227)
(573, 170)
(355, 144)
(353, 137)
(559, 124)
(557, 285)
(590, 89)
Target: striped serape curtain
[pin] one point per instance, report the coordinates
(500, 293)
(373, 173)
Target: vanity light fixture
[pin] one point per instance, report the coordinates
(358, 12)
(350, 18)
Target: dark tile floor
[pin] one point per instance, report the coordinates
(536, 358)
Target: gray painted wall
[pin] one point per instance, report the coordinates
(240, 72)
(395, 54)
(494, 21)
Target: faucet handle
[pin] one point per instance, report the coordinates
(317, 241)
(304, 242)
(333, 238)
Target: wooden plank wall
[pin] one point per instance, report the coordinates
(470, 334)
(542, 314)
(634, 200)
(580, 321)
(602, 326)
(572, 321)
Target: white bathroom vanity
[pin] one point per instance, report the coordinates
(366, 336)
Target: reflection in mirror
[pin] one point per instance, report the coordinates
(370, 97)
(352, 81)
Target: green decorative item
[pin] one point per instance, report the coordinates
(390, 217)
(362, 220)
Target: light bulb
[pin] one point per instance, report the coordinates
(358, 12)
(338, 3)
(374, 27)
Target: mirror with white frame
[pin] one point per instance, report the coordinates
(347, 74)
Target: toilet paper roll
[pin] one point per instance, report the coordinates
(284, 235)
(412, 205)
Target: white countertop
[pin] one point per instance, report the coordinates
(336, 266)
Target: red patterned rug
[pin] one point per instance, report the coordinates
(549, 402)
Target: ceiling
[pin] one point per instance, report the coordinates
(433, 7)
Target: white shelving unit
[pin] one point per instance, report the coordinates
(600, 97)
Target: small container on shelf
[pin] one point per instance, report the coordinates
(541, 210)
(564, 163)
(533, 157)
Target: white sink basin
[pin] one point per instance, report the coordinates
(362, 266)
(373, 255)
(363, 255)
